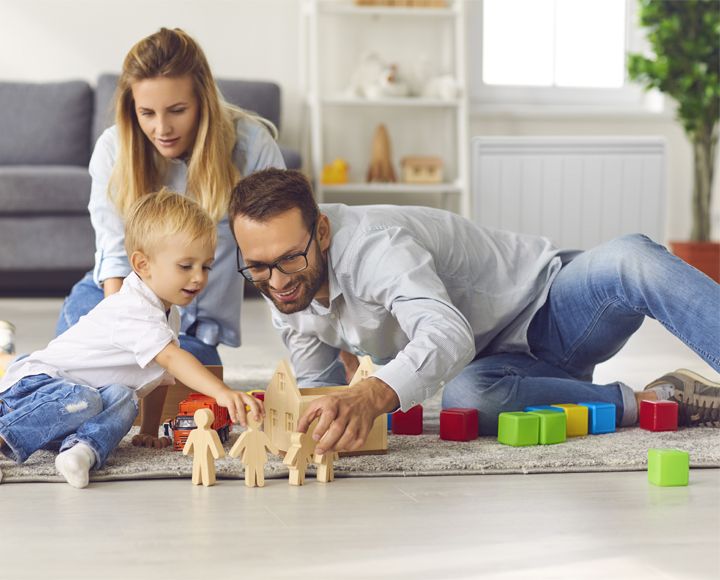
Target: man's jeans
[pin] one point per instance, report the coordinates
(39, 412)
(86, 295)
(595, 304)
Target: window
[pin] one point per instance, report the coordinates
(553, 53)
(289, 422)
(273, 418)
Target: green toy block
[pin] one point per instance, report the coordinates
(518, 429)
(668, 467)
(553, 426)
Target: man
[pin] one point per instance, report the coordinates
(500, 320)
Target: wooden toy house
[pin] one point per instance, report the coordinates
(422, 169)
(285, 403)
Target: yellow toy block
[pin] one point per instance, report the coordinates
(577, 419)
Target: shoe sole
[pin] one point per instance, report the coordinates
(698, 378)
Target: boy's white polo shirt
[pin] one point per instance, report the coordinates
(115, 343)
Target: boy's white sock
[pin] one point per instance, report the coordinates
(75, 463)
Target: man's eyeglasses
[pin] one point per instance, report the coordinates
(288, 265)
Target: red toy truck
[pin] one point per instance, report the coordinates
(185, 422)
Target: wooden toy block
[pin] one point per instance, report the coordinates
(659, 415)
(543, 408)
(258, 394)
(577, 419)
(204, 443)
(518, 429)
(668, 467)
(458, 424)
(601, 417)
(285, 403)
(408, 423)
(389, 421)
(250, 447)
(553, 426)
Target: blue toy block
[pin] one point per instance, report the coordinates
(601, 417)
(542, 408)
(389, 421)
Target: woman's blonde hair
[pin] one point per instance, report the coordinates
(139, 168)
(154, 217)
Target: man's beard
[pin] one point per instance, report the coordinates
(309, 281)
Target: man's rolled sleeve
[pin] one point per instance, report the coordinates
(405, 382)
(110, 267)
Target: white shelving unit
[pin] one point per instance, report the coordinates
(336, 33)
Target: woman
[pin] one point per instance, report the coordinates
(172, 128)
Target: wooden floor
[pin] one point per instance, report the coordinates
(574, 526)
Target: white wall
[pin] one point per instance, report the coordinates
(260, 39)
(78, 39)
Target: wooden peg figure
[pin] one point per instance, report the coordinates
(204, 443)
(298, 456)
(251, 446)
(324, 462)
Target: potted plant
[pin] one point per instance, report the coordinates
(684, 37)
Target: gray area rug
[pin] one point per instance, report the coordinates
(419, 455)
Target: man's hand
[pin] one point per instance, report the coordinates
(345, 419)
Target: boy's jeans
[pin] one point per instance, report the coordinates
(86, 295)
(40, 412)
(595, 304)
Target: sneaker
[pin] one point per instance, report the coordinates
(698, 398)
(7, 337)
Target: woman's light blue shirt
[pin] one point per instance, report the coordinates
(217, 310)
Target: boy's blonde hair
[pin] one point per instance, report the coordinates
(139, 168)
(157, 216)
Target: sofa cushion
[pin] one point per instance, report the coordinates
(41, 242)
(44, 190)
(261, 97)
(45, 123)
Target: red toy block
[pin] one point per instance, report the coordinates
(659, 415)
(409, 423)
(458, 424)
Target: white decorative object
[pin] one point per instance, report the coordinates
(442, 87)
(376, 79)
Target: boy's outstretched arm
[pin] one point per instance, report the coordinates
(190, 371)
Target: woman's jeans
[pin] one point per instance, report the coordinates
(86, 295)
(40, 412)
(597, 301)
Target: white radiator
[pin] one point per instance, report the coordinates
(577, 191)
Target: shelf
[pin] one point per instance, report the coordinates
(430, 188)
(390, 102)
(338, 8)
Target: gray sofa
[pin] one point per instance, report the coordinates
(47, 132)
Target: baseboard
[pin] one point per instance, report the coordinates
(38, 283)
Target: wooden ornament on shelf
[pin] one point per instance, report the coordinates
(422, 169)
(250, 447)
(381, 169)
(204, 444)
